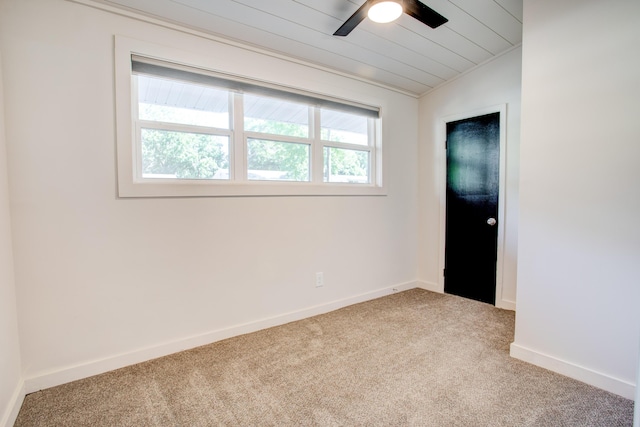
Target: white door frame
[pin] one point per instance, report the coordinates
(441, 156)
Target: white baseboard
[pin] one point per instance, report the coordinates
(506, 305)
(430, 286)
(43, 380)
(636, 411)
(571, 370)
(13, 407)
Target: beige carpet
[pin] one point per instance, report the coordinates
(414, 358)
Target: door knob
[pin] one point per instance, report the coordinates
(491, 221)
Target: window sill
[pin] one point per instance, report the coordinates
(244, 189)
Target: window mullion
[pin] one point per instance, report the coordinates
(346, 145)
(278, 137)
(239, 151)
(148, 124)
(317, 156)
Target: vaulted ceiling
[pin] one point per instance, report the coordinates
(405, 55)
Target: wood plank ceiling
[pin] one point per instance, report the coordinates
(405, 55)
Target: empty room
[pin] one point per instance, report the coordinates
(282, 212)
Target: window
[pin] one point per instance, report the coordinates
(182, 130)
(277, 138)
(194, 132)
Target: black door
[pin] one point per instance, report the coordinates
(473, 178)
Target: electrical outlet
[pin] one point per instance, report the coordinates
(319, 280)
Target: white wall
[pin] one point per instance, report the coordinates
(579, 238)
(496, 82)
(101, 281)
(11, 392)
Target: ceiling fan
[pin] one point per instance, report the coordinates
(413, 8)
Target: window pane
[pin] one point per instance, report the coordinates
(275, 116)
(343, 165)
(173, 101)
(277, 161)
(183, 155)
(337, 126)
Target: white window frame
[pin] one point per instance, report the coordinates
(128, 127)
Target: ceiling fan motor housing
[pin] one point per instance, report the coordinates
(383, 11)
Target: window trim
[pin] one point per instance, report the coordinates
(127, 150)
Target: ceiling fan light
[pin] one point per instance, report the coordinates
(385, 11)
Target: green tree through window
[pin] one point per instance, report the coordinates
(184, 155)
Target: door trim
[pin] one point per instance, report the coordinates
(441, 160)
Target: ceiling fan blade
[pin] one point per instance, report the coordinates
(353, 21)
(423, 13)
